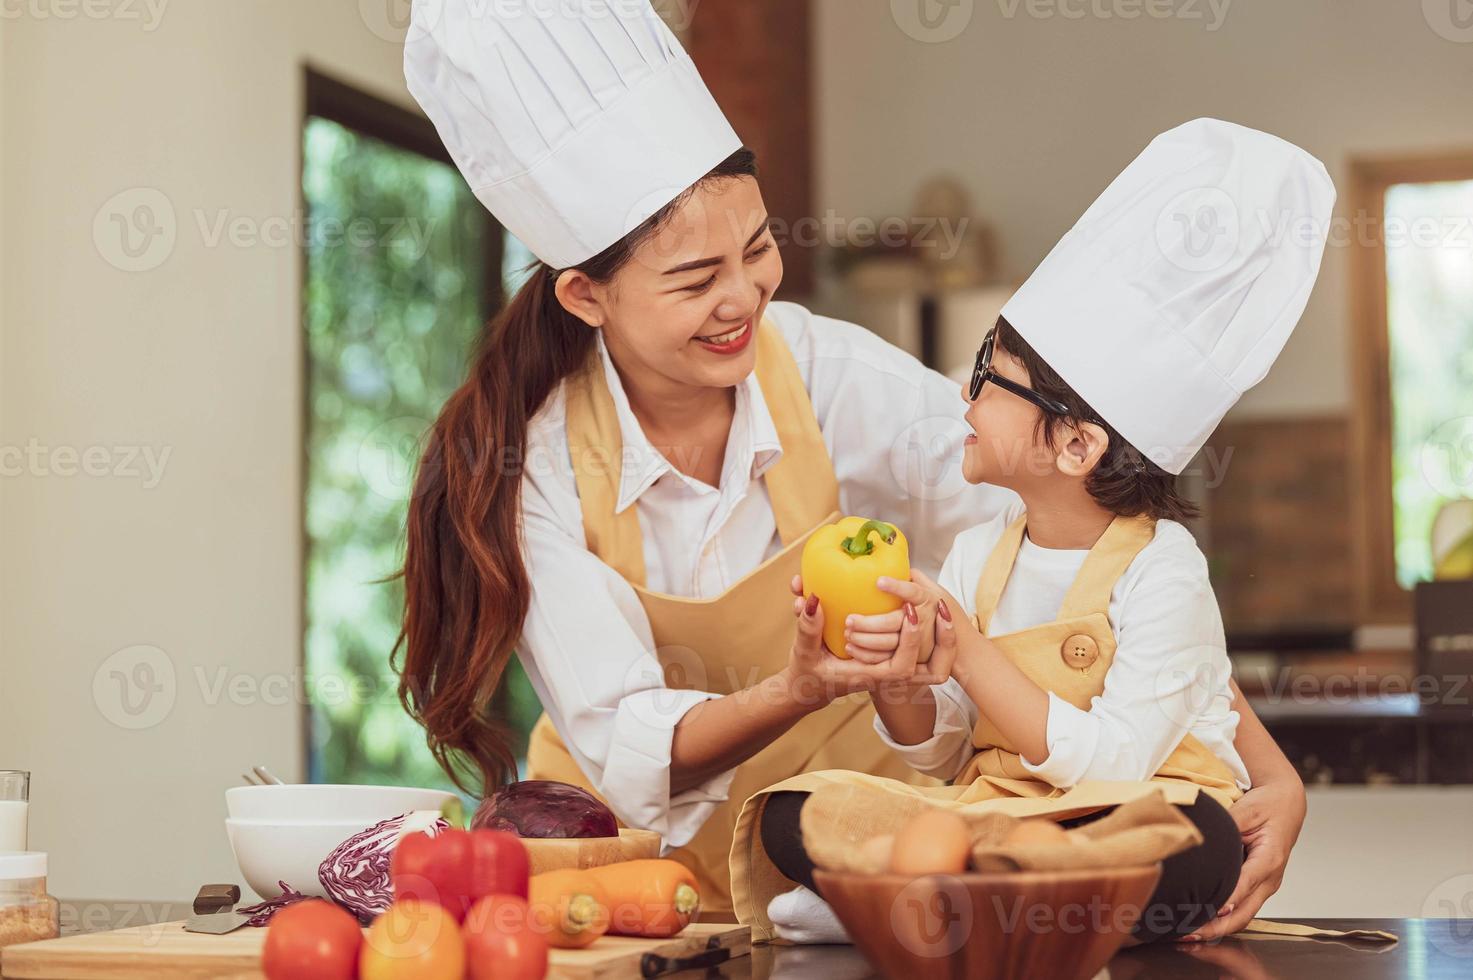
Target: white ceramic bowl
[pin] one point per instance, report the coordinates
(369, 804)
(282, 833)
(268, 852)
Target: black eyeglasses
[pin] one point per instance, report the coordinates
(983, 373)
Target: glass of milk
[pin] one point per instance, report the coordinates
(15, 796)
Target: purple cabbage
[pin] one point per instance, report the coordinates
(261, 913)
(356, 874)
(544, 808)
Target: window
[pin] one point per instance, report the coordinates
(402, 267)
(1413, 285)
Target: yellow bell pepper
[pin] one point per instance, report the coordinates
(841, 563)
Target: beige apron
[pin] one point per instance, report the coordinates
(1069, 657)
(730, 642)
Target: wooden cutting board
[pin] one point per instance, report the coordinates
(166, 952)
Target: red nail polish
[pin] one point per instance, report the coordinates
(910, 614)
(811, 606)
(944, 611)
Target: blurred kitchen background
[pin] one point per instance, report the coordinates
(238, 275)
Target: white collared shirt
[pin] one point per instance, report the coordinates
(894, 431)
(1170, 676)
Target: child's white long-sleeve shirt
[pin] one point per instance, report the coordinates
(1170, 675)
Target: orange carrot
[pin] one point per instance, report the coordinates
(653, 897)
(569, 907)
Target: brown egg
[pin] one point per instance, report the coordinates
(1037, 833)
(875, 853)
(933, 842)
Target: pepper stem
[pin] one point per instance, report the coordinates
(860, 545)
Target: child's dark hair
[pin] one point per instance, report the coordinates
(1124, 481)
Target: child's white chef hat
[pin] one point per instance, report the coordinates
(573, 122)
(1177, 289)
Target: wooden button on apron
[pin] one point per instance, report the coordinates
(1080, 651)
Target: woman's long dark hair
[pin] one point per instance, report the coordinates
(466, 591)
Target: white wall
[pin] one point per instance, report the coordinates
(198, 358)
(1381, 852)
(1037, 113)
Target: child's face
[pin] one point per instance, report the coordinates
(1006, 448)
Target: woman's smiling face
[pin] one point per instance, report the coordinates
(685, 308)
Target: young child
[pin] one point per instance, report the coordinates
(1080, 630)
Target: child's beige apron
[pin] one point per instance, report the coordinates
(732, 641)
(1069, 657)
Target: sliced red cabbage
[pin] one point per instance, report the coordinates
(356, 874)
(261, 913)
(545, 808)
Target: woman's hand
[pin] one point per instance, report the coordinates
(1269, 816)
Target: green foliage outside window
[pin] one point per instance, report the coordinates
(394, 298)
(1429, 291)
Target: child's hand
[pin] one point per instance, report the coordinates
(873, 638)
(813, 667)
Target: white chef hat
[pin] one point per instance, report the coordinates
(1177, 289)
(572, 120)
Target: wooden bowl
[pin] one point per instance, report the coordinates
(550, 854)
(1064, 925)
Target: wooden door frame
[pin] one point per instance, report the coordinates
(1381, 598)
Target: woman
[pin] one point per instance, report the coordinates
(621, 489)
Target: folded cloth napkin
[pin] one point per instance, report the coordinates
(1142, 831)
(836, 819)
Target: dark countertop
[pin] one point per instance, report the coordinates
(1430, 949)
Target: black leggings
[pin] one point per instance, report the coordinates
(1194, 884)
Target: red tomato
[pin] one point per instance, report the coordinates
(456, 867)
(434, 869)
(500, 942)
(500, 865)
(311, 940)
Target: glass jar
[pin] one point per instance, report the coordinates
(27, 912)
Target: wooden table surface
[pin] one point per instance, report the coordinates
(1430, 949)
